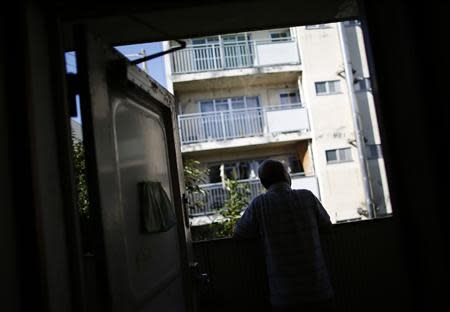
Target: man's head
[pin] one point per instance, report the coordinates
(273, 171)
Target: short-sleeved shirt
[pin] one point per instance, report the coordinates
(288, 223)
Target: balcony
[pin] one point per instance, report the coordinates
(215, 194)
(225, 56)
(202, 131)
(363, 259)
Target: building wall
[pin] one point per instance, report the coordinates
(331, 119)
(341, 187)
(268, 95)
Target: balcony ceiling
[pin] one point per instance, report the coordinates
(137, 21)
(246, 151)
(242, 81)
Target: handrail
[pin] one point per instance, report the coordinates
(255, 180)
(230, 55)
(232, 124)
(257, 41)
(273, 107)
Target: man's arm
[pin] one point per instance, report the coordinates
(247, 226)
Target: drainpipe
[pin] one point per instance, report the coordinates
(357, 124)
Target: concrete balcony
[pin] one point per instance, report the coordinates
(215, 194)
(221, 60)
(229, 129)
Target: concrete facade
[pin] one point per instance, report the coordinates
(330, 130)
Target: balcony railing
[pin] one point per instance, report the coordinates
(227, 125)
(214, 194)
(220, 56)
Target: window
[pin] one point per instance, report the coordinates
(374, 151)
(214, 174)
(227, 104)
(238, 102)
(317, 26)
(362, 84)
(240, 170)
(233, 39)
(207, 106)
(328, 87)
(339, 155)
(287, 98)
(295, 165)
(282, 35)
(205, 40)
(248, 169)
(352, 23)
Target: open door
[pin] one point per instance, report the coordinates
(142, 246)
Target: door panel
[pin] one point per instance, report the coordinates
(130, 139)
(142, 155)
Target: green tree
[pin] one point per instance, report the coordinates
(79, 161)
(194, 176)
(239, 194)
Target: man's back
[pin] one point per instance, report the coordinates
(288, 223)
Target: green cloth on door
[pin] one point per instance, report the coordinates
(158, 213)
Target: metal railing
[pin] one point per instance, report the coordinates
(226, 125)
(223, 55)
(215, 194)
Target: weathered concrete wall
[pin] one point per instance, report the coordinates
(332, 124)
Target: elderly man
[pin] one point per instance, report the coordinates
(288, 223)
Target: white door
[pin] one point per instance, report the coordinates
(131, 142)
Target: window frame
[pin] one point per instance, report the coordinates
(317, 26)
(234, 163)
(281, 39)
(374, 156)
(339, 159)
(229, 103)
(352, 23)
(206, 39)
(327, 87)
(288, 91)
(367, 83)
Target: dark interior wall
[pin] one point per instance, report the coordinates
(18, 237)
(143, 21)
(410, 69)
(46, 175)
(38, 258)
(8, 250)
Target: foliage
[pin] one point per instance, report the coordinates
(79, 161)
(237, 201)
(194, 176)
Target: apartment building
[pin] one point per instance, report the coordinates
(280, 94)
